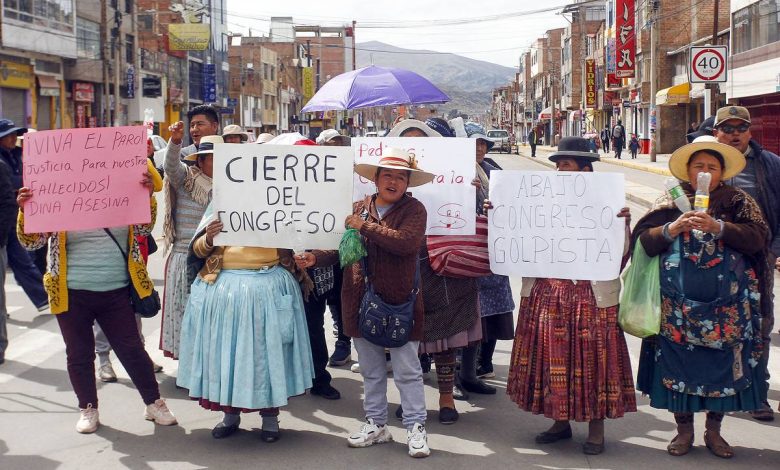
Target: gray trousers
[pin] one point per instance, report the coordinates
(407, 375)
(3, 309)
(102, 346)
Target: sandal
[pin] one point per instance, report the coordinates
(720, 448)
(679, 447)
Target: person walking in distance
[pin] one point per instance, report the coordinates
(761, 180)
(532, 139)
(633, 146)
(618, 138)
(605, 139)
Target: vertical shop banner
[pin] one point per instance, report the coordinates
(130, 82)
(625, 32)
(590, 83)
(209, 83)
(308, 83)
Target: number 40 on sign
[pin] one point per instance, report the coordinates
(708, 64)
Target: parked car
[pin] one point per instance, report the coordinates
(500, 139)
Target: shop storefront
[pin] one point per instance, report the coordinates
(84, 112)
(16, 97)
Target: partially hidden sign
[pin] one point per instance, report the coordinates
(451, 198)
(84, 179)
(282, 196)
(560, 225)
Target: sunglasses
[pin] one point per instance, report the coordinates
(729, 129)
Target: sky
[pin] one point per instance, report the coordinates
(500, 41)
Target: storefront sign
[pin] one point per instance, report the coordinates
(188, 37)
(611, 55)
(209, 92)
(130, 81)
(613, 81)
(590, 83)
(83, 92)
(308, 83)
(13, 75)
(625, 54)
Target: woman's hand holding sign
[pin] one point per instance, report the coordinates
(24, 195)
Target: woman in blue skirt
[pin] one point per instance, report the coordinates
(244, 343)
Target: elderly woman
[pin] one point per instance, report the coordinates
(557, 368)
(244, 343)
(234, 134)
(706, 354)
(392, 225)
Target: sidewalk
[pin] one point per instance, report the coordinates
(637, 193)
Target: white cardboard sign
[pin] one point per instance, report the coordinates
(560, 225)
(451, 198)
(282, 196)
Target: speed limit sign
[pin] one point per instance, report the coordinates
(708, 64)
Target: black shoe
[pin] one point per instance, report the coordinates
(479, 387)
(550, 437)
(399, 412)
(425, 363)
(326, 391)
(458, 393)
(448, 415)
(221, 431)
(589, 448)
(269, 436)
(485, 372)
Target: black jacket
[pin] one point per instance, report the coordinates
(8, 207)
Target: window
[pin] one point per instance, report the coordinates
(265, 71)
(145, 22)
(52, 14)
(128, 6)
(756, 25)
(129, 48)
(88, 38)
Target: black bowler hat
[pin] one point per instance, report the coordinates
(7, 126)
(574, 147)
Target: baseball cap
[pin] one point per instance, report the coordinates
(732, 112)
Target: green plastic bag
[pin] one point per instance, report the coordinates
(640, 301)
(351, 249)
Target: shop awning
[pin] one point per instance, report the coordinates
(546, 114)
(674, 95)
(49, 86)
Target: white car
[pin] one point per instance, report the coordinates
(500, 139)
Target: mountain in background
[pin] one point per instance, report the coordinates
(468, 82)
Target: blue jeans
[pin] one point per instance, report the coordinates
(26, 273)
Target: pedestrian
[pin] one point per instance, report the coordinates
(392, 224)
(20, 261)
(495, 298)
(89, 280)
(707, 354)
(557, 367)
(244, 344)
(706, 127)
(633, 146)
(187, 193)
(331, 137)
(760, 180)
(618, 138)
(8, 211)
(592, 145)
(693, 128)
(234, 134)
(533, 139)
(204, 121)
(106, 371)
(605, 137)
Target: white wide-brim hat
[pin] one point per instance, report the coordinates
(396, 159)
(733, 159)
(402, 126)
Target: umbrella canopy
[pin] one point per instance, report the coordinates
(374, 86)
(290, 138)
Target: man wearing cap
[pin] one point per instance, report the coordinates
(233, 134)
(26, 273)
(759, 179)
(187, 194)
(204, 121)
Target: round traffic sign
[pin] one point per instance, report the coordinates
(709, 64)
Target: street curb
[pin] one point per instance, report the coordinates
(631, 197)
(638, 166)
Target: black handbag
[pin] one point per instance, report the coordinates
(147, 307)
(384, 324)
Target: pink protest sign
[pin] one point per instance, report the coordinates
(83, 179)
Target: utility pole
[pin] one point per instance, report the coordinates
(354, 54)
(712, 88)
(653, 84)
(116, 33)
(104, 54)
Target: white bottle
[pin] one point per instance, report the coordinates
(677, 194)
(149, 121)
(701, 201)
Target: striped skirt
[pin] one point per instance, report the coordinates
(569, 359)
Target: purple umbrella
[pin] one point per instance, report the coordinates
(374, 86)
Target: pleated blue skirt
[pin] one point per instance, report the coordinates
(244, 341)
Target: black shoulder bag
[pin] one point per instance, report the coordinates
(147, 307)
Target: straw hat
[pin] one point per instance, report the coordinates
(732, 158)
(396, 159)
(402, 126)
(329, 134)
(235, 129)
(206, 146)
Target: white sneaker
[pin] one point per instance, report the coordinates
(417, 440)
(106, 372)
(355, 368)
(159, 413)
(88, 421)
(369, 435)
